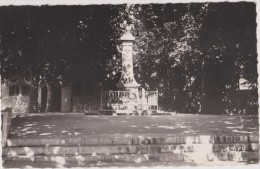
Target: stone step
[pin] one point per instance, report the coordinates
(236, 139)
(127, 149)
(93, 141)
(135, 149)
(130, 140)
(235, 147)
(89, 150)
(157, 157)
(99, 158)
(222, 156)
(28, 164)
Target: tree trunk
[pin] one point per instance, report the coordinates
(33, 100)
(202, 92)
(50, 100)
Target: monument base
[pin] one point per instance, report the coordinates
(131, 102)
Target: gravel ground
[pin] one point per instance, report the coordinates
(62, 125)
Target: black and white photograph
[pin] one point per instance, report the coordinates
(129, 84)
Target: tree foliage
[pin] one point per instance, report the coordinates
(194, 54)
(53, 45)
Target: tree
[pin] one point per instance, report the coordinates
(20, 57)
(229, 40)
(195, 53)
(169, 54)
(50, 44)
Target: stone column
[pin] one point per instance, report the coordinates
(66, 99)
(143, 100)
(40, 98)
(127, 80)
(6, 125)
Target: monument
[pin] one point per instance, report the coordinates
(127, 81)
(129, 98)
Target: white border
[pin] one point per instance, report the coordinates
(99, 2)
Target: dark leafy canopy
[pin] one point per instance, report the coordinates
(194, 54)
(170, 43)
(53, 40)
(54, 45)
